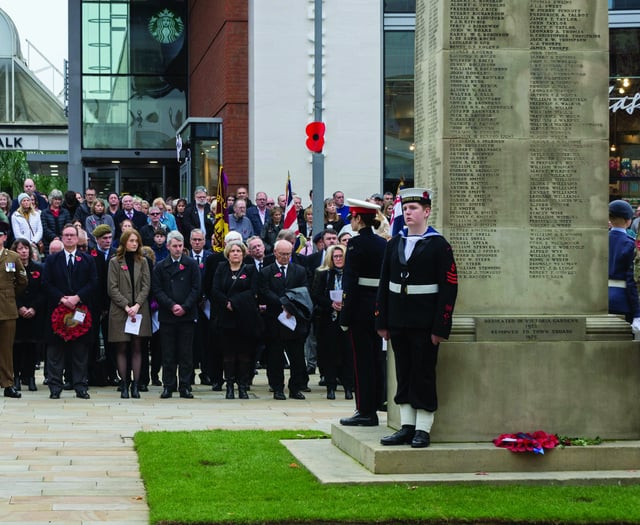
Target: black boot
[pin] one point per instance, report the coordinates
(230, 394)
(32, 384)
(135, 393)
(16, 383)
(331, 392)
(124, 389)
(242, 392)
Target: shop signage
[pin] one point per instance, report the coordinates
(626, 103)
(15, 142)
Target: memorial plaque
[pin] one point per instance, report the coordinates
(512, 134)
(530, 328)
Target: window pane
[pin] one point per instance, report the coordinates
(399, 6)
(398, 108)
(624, 4)
(131, 112)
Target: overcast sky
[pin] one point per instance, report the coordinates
(43, 23)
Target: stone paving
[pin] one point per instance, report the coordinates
(71, 461)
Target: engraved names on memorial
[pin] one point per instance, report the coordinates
(511, 136)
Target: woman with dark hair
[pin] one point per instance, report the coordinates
(360, 285)
(271, 229)
(30, 323)
(129, 283)
(334, 352)
(98, 216)
(332, 218)
(235, 286)
(70, 202)
(178, 213)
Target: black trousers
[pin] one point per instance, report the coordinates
(177, 353)
(416, 358)
(78, 352)
(238, 354)
(334, 354)
(368, 363)
(294, 348)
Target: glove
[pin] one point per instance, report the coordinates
(346, 328)
(635, 325)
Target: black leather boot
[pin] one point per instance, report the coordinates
(32, 384)
(230, 394)
(331, 393)
(135, 392)
(404, 436)
(124, 389)
(242, 392)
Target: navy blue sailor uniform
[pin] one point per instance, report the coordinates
(623, 291)
(360, 285)
(416, 299)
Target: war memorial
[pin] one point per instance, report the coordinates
(512, 134)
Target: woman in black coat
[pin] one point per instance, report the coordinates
(31, 314)
(235, 310)
(334, 351)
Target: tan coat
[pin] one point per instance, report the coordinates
(119, 289)
(13, 280)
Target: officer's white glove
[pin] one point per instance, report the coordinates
(346, 328)
(635, 325)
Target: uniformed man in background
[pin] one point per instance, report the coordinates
(13, 280)
(416, 297)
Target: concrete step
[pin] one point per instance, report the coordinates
(363, 445)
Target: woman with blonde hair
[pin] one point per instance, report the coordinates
(129, 284)
(25, 221)
(166, 218)
(334, 351)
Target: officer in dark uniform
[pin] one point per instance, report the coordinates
(418, 288)
(13, 280)
(360, 284)
(623, 292)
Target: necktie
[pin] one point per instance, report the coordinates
(282, 269)
(130, 215)
(198, 259)
(70, 261)
(259, 265)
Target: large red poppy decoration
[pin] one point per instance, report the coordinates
(315, 136)
(65, 326)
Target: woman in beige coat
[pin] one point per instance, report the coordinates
(127, 300)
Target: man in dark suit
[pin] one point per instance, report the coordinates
(198, 215)
(273, 282)
(138, 218)
(200, 354)
(70, 279)
(255, 253)
(102, 367)
(259, 214)
(176, 286)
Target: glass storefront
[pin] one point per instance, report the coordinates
(398, 108)
(134, 73)
(624, 114)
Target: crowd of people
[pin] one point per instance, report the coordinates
(130, 293)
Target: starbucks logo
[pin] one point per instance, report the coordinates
(166, 27)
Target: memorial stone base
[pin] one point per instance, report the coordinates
(587, 388)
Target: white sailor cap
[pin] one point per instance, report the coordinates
(420, 195)
(360, 207)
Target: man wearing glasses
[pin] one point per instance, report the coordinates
(70, 279)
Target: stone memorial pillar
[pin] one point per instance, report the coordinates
(512, 134)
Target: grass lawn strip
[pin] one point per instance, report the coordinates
(226, 476)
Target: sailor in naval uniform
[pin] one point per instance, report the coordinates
(416, 297)
(359, 285)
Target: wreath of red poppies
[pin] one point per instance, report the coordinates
(65, 326)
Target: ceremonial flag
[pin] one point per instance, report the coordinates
(290, 212)
(221, 221)
(396, 222)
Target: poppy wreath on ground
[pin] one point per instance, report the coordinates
(523, 442)
(65, 326)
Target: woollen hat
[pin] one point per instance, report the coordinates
(101, 230)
